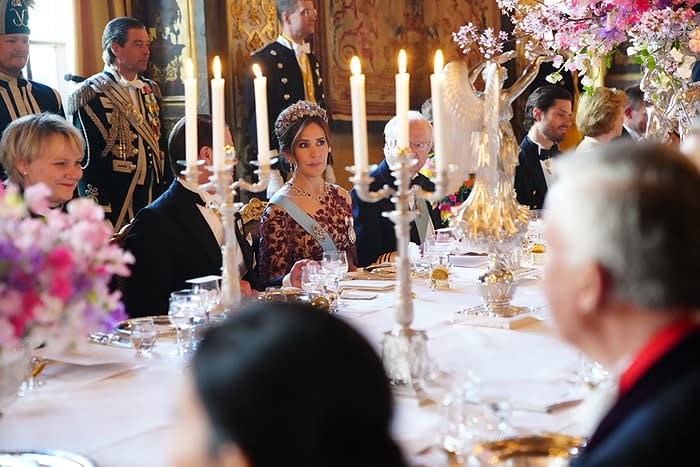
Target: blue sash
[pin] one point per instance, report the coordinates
(305, 221)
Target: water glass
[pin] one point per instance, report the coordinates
(334, 266)
(143, 336)
(209, 290)
(311, 278)
(185, 312)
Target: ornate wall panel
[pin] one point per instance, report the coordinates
(376, 30)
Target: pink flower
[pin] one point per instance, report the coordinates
(61, 288)
(37, 198)
(60, 260)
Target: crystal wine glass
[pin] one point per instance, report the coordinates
(334, 266)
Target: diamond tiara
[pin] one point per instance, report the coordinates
(297, 111)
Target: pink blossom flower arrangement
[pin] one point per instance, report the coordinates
(55, 269)
(586, 33)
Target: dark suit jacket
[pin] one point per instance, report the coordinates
(172, 243)
(530, 184)
(375, 233)
(21, 97)
(285, 85)
(657, 422)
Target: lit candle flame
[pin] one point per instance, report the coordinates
(257, 71)
(355, 65)
(217, 67)
(402, 61)
(439, 61)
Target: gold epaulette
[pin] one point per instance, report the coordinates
(81, 96)
(253, 210)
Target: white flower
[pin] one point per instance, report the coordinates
(631, 51)
(587, 81)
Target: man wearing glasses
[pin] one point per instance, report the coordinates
(293, 72)
(376, 238)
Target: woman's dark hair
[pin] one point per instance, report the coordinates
(290, 385)
(117, 31)
(543, 98)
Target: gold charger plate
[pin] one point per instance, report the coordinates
(384, 270)
(529, 451)
(162, 323)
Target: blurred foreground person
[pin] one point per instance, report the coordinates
(621, 278)
(282, 384)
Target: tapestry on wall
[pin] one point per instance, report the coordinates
(375, 31)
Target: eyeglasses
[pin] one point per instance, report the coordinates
(309, 12)
(421, 145)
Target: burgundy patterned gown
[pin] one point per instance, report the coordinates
(284, 242)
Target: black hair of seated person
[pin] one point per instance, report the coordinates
(290, 385)
(176, 140)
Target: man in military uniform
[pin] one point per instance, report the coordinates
(293, 72)
(118, 112)
(19, 96)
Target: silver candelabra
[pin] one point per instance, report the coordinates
(220, 183)
(404, 350)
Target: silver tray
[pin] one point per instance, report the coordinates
(43, 458)
(162, 323)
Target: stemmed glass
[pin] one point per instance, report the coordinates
(208, 288)
(185, 307)
(334, 266)
(311, 278)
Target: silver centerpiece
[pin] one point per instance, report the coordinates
(491, 217)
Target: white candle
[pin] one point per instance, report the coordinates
(402, 99)
(191, 153)
(359, 116)
(437, 80)
(260, 86)
(218, 116)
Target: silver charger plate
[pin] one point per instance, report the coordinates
(162, 323)
(45, 458)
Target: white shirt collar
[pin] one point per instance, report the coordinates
(135, 83)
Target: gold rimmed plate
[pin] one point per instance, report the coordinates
(162, 324)
(551, 450)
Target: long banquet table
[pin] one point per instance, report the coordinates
(106, 404)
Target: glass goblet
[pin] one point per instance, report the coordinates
(334, 266)
(184, 307)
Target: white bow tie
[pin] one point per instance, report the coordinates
(299, 49)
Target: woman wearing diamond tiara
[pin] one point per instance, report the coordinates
(307, 216)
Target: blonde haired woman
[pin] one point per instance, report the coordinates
(600, 116)
(43, 149)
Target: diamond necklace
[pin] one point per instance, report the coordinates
(301, 192)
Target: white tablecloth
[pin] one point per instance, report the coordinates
(119, 413)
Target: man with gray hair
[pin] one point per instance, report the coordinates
(118, 112)
(621, 278)
(376, 238)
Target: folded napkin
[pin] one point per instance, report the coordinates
(361, 284)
